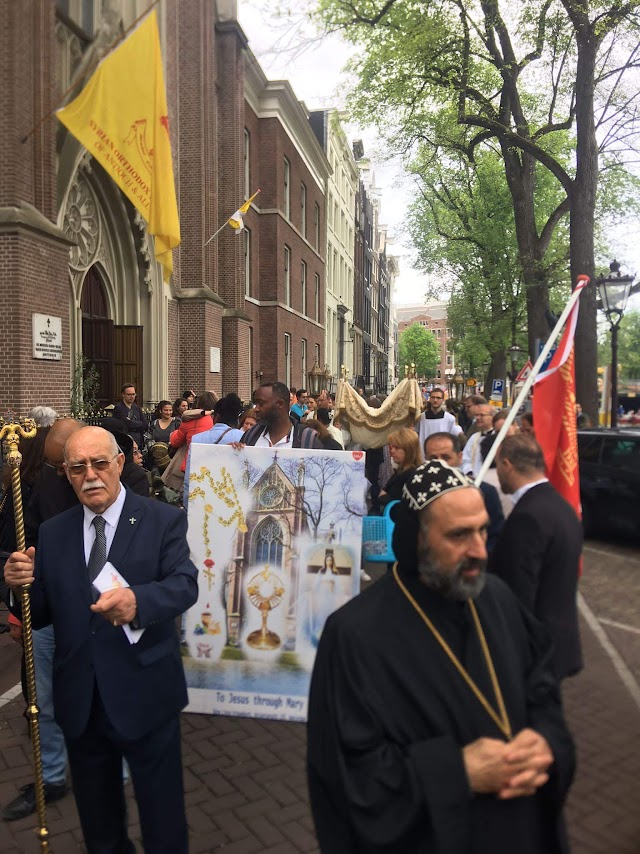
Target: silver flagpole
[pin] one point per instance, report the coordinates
(493, 450)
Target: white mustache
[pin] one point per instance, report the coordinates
(92, 484)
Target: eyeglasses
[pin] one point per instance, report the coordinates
(80, 469)
(57, 469)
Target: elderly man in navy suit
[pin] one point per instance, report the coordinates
(112, 697)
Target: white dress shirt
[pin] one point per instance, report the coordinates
(111, 517)
(517, 495)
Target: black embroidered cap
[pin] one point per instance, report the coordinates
(431, 480)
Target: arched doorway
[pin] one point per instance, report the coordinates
(114, 350)
(97, 333)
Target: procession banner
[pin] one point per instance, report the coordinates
(276, 536)
(121, 118)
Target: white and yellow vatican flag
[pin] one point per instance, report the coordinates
(236, 220)
(121, 118)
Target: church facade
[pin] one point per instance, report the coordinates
(78, 269)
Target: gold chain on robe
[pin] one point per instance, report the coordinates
(500, 718)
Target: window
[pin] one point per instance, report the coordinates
(316, 226)
(269, 543)
(303, 211)
(316, 297)
(621, 453)
(303, 286)
(287, 278)
(303, 362)
(287, 359)
(438, 333)
(247, 262)
(589, 448)
(246, 150)
(287, 189)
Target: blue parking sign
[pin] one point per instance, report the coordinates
(497, 388)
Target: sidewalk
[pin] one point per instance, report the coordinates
(246, 789)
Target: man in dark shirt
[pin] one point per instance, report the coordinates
(129, 412)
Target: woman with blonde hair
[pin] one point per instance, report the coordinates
(406, 455)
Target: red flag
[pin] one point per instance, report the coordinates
(554, 414)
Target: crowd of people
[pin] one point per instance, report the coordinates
(435, 721)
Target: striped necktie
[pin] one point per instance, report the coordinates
(98, 556)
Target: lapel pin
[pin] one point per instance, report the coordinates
(132, 520)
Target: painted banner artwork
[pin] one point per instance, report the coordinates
(276, 536)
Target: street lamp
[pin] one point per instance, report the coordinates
(316, 377)
(514, 351)
(458, 381)
(449, 374)
(613, 291)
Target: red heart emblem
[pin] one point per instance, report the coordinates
(357, 455)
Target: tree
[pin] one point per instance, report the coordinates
(628, 346)
(418, 346)
(521, 91)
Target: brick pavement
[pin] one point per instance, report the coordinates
(246, 790)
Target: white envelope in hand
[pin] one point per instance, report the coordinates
(110, 579)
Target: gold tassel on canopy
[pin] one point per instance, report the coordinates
(370, 427)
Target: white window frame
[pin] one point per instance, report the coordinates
(287, 277)
(303, 362)
(247, 261)
(303, 286)
(316, 297)
(287, 189)
(246, 154)
(287, 359)
(303, 211)
(316, 225)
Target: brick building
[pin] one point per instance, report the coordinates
(434, 318)
(76, 254)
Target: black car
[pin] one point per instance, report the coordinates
(610, 480)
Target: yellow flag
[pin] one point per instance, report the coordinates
(236, 220)
(121, 119)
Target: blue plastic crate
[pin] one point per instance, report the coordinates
(377, 534)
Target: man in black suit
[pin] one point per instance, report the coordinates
(538, 553)
(112, 697)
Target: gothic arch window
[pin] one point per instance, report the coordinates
(268, 543)
(93, 300)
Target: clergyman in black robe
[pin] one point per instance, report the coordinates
(391, 718)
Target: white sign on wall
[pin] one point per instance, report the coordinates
(214, 358)
(47, 337)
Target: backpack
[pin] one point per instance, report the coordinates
(303, 437)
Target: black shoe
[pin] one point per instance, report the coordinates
(25, 803)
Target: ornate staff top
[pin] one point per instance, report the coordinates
(11, 432)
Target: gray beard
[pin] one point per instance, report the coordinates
(451, 584)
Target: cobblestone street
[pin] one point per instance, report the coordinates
(245, 779)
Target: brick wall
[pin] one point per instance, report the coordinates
(272, 234)
(34, 275)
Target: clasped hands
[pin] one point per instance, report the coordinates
(511, 769)
(117, 606)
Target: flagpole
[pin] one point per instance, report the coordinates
(215, 234)
(551, 340)
(89, 71)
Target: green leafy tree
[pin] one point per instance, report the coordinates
(520, 75)
(418, 346)
(628, 346)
